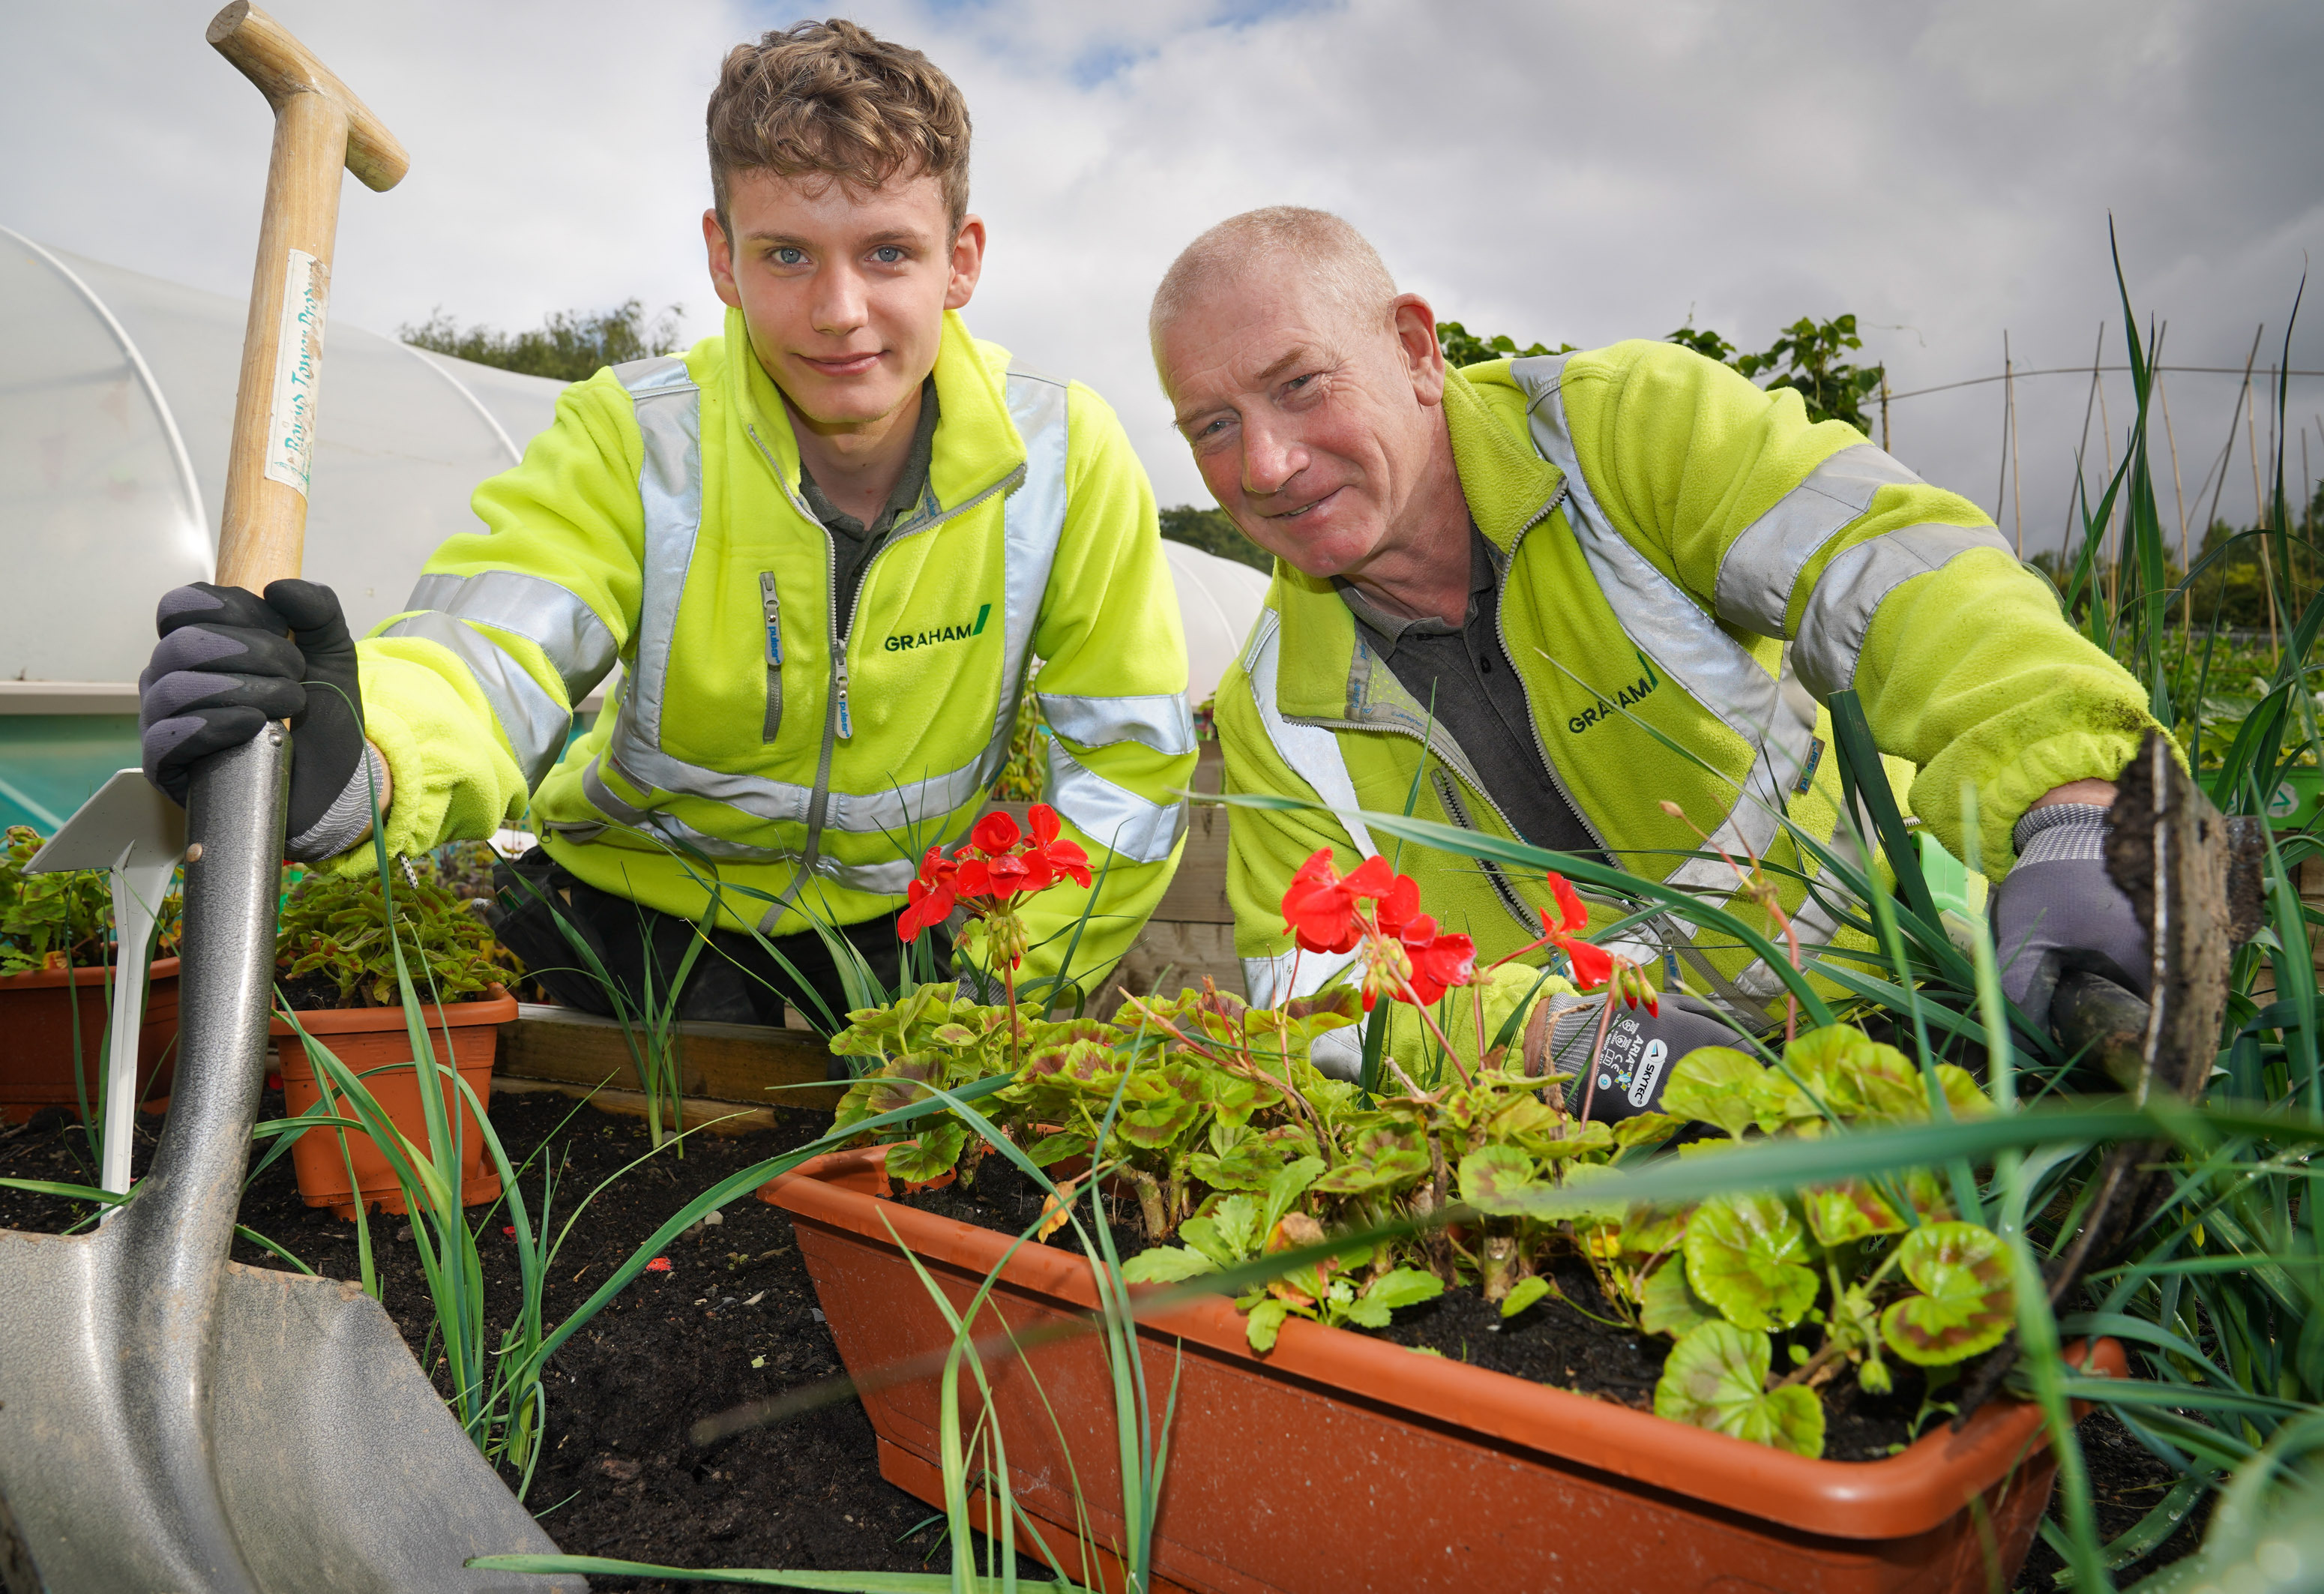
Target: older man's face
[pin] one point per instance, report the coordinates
(1311, 429)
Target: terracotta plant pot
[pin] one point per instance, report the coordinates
(369, 1038)
(1345, 1463)
(36, 1038)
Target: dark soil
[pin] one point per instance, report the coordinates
(1569, 1342)
(733, 1321)
(620, 1478)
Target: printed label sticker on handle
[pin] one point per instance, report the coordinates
(298, 369)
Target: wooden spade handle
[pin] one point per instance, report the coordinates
(319, 128)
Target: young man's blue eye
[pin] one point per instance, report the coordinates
(790, 256)
(887, 255)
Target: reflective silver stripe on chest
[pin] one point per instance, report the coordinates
(1313, 755)
(1684, 642)
(670, 487)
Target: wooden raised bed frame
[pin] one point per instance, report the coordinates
(1345, 1463)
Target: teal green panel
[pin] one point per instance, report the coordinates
(52, 763)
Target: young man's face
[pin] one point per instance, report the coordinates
(1313, 431)
(843, 290)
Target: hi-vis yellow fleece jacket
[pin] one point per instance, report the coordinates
(658, 522)
(1661, 527)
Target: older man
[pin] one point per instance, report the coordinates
(1540, 598)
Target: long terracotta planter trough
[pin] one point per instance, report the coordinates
(1341, 1463)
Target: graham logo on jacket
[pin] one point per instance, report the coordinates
(904, 639)
(1606, 708)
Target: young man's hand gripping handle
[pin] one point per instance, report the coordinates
(228, 661)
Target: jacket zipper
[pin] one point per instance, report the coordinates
(837, 638)
(771, 606)
(1448, 792)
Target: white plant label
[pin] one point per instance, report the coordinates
(298, 369)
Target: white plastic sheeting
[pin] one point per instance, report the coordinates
(1218, 600)
(116, 401)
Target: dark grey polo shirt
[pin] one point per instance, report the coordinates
(1462, 672)
(853, 543)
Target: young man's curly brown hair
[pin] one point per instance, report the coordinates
(831, 98)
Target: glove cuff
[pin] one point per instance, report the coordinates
(349, 818)
(2059, 833)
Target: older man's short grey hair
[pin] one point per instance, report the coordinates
(1336, 259)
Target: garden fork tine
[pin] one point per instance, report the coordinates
(169, 1420)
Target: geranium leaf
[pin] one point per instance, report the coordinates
(1714, 1085)
(1667, 1306)
(1746, 1255)
(1524, 1293)
(1404, 1286)
(929, 1156)
(1716, 1378)
(1289, 1183)
(1849, 1210)
(1167, 1263)
(1056, 1148)
(1964, 1306)
(1497, 1179)
(1647, 1127)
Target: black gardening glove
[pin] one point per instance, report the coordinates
(225, 666)
(1623, 1076)
(2060, 912)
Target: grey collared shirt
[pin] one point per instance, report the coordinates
(853, 543)
(1461, 674)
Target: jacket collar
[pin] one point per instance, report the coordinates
(976, 445)
(1326, 672)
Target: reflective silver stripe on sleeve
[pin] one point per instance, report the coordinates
(1682, 638)
(1161, 721)
(1763, 564)
(579, 647)
(1135, 830)
(1850, 589)
(668, 408)
(534, 723)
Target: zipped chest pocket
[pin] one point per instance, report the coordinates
(771, 610)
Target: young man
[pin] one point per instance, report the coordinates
(1544, 598)
(826, 547)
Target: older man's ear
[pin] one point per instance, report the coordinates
(1415, 330)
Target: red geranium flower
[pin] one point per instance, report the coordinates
(1591, 967)
(1054, 854)
(1404, 956)
(996, 865)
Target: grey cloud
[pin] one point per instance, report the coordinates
(1561, 171)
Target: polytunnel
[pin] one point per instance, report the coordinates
(116, 400)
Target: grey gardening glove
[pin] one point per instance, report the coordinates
(1624, 1075)
(2058, 911)
(228, 661)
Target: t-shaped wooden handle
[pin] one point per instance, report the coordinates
(319, 127)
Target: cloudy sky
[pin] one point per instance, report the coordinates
(1572, 172)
